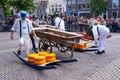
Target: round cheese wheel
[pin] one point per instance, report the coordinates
(39, 58)
(40, 62)
(42, 53)
(31, 56)
(49, 56)
(50, 60)
(31, 60)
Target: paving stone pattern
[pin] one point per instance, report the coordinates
(89, 66)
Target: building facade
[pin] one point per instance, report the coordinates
(82, 8)
(56, 6)
(50, 7)
(113, 9)
(42, 8)
(78, 6)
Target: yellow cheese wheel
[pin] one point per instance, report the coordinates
(42, 53)
(75, 45)
(39, 58)
(31, 60)
(50, 60)
(40, 62)
(85, 44)
(31, 56)
(52, 55)
(80, 45)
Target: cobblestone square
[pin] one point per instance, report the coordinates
(89, 66)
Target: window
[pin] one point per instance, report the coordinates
(69, 8)
(79, 0)
(56, 5)
(43, 6)
(79, 7)
(72, 7)
(52, 9)
(65, 2)
(115, 14)
(56, 9)
(83, 0)
(115, 4)
(60, 9)
(69, 2)
(84, 6)
(60, 5)
(73, 1)
(52, 5)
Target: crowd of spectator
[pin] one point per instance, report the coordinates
(72, 22)
(6, 24)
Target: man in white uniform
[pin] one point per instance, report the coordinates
(59, 23)
(100, 33)
(24, 28)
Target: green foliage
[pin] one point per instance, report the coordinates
(27, 5)
(5, 6)
(98, 7)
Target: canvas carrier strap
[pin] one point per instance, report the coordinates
(20, 30)
(98, 30)
(28, 28)
(59, 23)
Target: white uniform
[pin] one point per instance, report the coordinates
(62, 23)
(25, 39)
(103, 31)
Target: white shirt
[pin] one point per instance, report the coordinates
(24, 26)
(62, 23)
(101, 30)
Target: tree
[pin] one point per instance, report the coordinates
(5, 6)
(27, 5)
(98, 7)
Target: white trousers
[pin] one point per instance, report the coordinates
(101, 41)
(24, 44)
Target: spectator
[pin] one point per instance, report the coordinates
(119, 26)
(5, 26)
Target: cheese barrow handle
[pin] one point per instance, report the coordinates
(68, 60)
(33, 65)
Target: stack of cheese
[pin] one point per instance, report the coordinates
(85, 44)
(31, 57)
(81, 45)
(36, 59)
(41, 58)
(50, 57)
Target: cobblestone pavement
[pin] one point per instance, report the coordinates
(89, 66)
